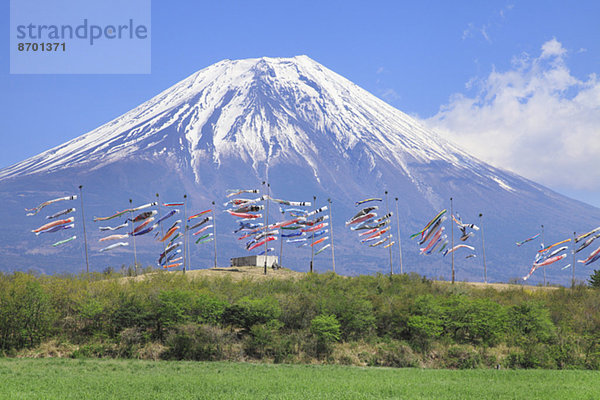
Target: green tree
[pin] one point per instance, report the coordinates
(26, 315)
(248, 312)
(326, 330)
(594, 279)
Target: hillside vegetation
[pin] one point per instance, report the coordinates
(406, 321)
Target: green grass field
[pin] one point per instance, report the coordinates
(132, 379)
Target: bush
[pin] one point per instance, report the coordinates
(131, 340)
(263, 340)
(326, 330)
(530, 322)
(479, 321)
(462, 357)
(197, 342)
(395, 354)
(247, 312)
(206, 309)
(26, 315)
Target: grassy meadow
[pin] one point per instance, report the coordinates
(139, 379)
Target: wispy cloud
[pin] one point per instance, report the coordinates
(484, 33)
(536, 119)
(496, 20)
(389, 94)
(468, 32)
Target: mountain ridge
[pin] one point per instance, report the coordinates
(309, 132)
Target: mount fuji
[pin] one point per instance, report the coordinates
(308, 132)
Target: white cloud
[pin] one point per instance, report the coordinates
(468, 32)
(389, 94)
(485, 34)
(552, 48)
(535, 119)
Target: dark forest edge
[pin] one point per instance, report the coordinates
(406, 321)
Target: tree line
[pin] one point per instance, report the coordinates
(403, 321)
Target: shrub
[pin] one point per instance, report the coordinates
(206, 309)
(530, 322)
(462, 357)
(326, 330)
(479, 321)
(263, 339)
(26, 315)
(395, 354)
(197, 342)
(247, 312)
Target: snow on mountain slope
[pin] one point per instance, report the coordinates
(309, 132)
(256, 109)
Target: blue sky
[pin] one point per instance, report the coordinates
(516, 74)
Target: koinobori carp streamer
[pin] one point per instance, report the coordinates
(521, 243)
(235, 192)
(323, 248)
(120, 213)
(458, 246)
(53, 224)
(587, 243)
(594, 255)
(57, 228)
(554, 245)
(358, 203)
(35, 210)
(113, 237)
(199, 214)
(581, 237)
(61, 213)
(167, 215)
(60, 242)
(111, 228)
(429, 224)
(143, 216)
(114, 246)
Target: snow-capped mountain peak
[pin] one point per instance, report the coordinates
(281, 109)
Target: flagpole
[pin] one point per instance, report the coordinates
(267, 224)
(573, 262)
(452, 235)
(132, 229)
(399, 240)
(387, 211)
(160, 225)
(331, 229)
(87, 264)
(483, 247)
(189, 251)
(542, 248)
(184, 225)
(281, 240)
(312, 247)
(214, 233)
